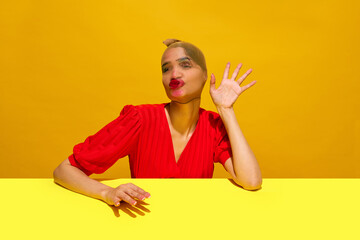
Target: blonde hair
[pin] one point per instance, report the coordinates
(190, 50)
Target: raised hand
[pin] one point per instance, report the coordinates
(229, 90)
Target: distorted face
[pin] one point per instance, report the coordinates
(182, 78)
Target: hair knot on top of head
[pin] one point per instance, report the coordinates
(170, 41)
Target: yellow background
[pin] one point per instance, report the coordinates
(68, 67)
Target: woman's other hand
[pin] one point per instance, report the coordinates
(229, 90)
(126, 192)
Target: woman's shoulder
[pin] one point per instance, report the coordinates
(212, 119)
(142, 107)
(144, 110)
(210, 115)
(145, 107)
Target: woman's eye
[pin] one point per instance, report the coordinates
(183, 64)
(187, 65)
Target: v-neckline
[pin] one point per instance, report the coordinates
(169, 134)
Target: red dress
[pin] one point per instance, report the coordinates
(143, 133)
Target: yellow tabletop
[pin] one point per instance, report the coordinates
(185, 209)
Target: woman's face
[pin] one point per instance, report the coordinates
(182, 78)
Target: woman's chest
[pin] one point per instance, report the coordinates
(163, 153)
(179, 143)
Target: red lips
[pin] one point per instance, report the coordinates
(176, 83)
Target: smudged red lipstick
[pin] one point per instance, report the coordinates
(176, 83)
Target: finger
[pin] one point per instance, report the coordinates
(226, 72)
(242, 78)
(236, 72)
(247, 86)
(127, 198)
(117, 203)
(135, 194)
(212, 83)
(139, 190)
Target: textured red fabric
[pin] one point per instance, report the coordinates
(143, 133)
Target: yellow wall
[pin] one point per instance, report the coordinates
(68, 67)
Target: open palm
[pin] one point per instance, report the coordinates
(229, 90)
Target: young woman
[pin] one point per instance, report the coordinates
(169, 140)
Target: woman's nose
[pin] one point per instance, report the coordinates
(176, 73)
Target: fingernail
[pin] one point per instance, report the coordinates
(134, 203)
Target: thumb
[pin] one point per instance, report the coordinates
(212, 83)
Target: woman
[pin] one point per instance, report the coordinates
(177, 139)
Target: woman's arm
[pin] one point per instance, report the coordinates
(76, 180)
(243, 165)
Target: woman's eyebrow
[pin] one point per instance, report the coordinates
(179, 60)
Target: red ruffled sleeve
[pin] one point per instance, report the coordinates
(116, 140)
(223, 148)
